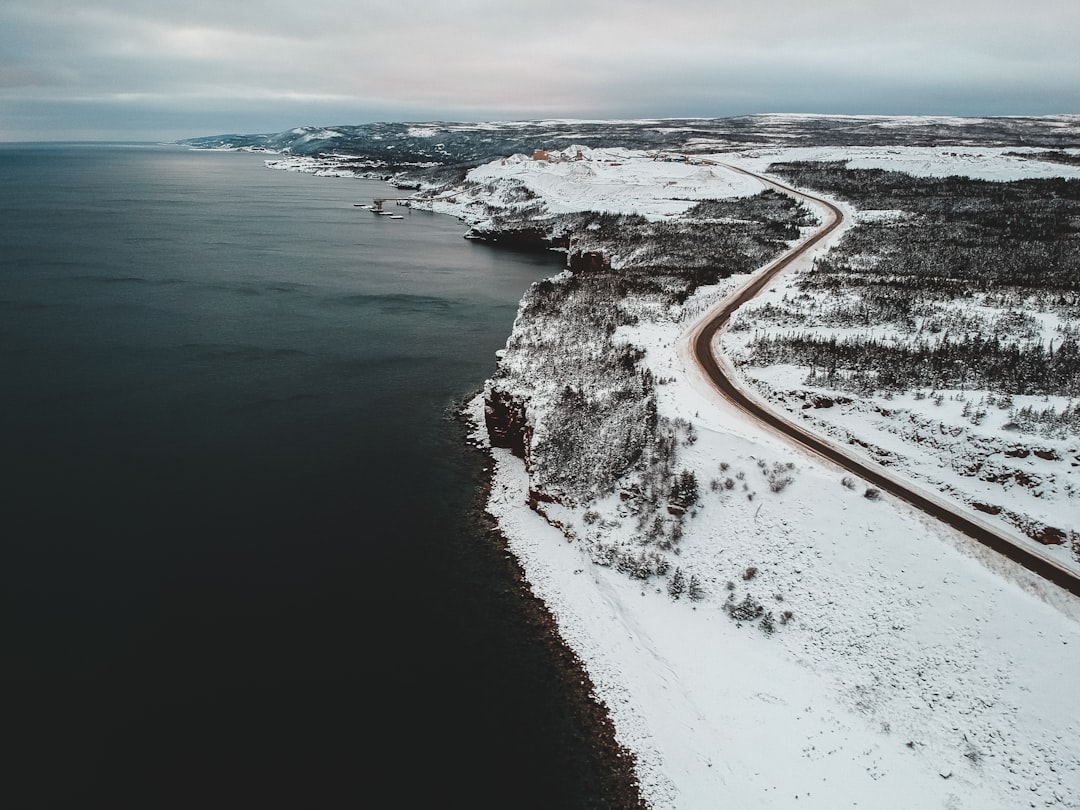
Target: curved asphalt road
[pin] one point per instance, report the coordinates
(701, 343)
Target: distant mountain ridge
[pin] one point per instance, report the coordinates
(398, 146)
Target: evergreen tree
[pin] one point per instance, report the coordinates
(677, 584)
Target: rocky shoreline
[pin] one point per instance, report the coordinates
(615, 764)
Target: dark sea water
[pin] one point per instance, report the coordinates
(239, 564)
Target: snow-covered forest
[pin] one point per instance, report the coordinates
(950, 315)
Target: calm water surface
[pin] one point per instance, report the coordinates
(239, 566)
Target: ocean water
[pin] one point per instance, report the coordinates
(240, 561)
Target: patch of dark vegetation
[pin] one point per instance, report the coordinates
(963, 234)
(713, 240)
(988, 362)
(1050, 156)
(603, 422)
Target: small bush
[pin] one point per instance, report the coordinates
(768, 625)
(643, 565)
(746, 610)
(779, 484)
(685, 489)
(695, 591)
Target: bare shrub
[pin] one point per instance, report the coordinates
(780, 484)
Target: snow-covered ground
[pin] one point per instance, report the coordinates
(1019, 482)
(607, 180)
(913, 672)
(914, 668)
(978, 163)
(618, 181)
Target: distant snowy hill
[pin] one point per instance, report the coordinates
(408, 145)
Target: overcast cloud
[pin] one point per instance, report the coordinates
(141, 69)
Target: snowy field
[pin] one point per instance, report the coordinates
(908, 667)
(607, 180)
(978, 163)
(658, 184)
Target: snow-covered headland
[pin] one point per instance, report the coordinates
(780, 637)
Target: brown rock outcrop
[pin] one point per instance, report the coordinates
(588, 262)
(507, 423)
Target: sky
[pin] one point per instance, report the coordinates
(153, 70)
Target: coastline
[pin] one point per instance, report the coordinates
(616, 763)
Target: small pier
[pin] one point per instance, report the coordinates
(377, 204)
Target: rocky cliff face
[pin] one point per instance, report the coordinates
(518, 238)
(507, 423)
(591, 261)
